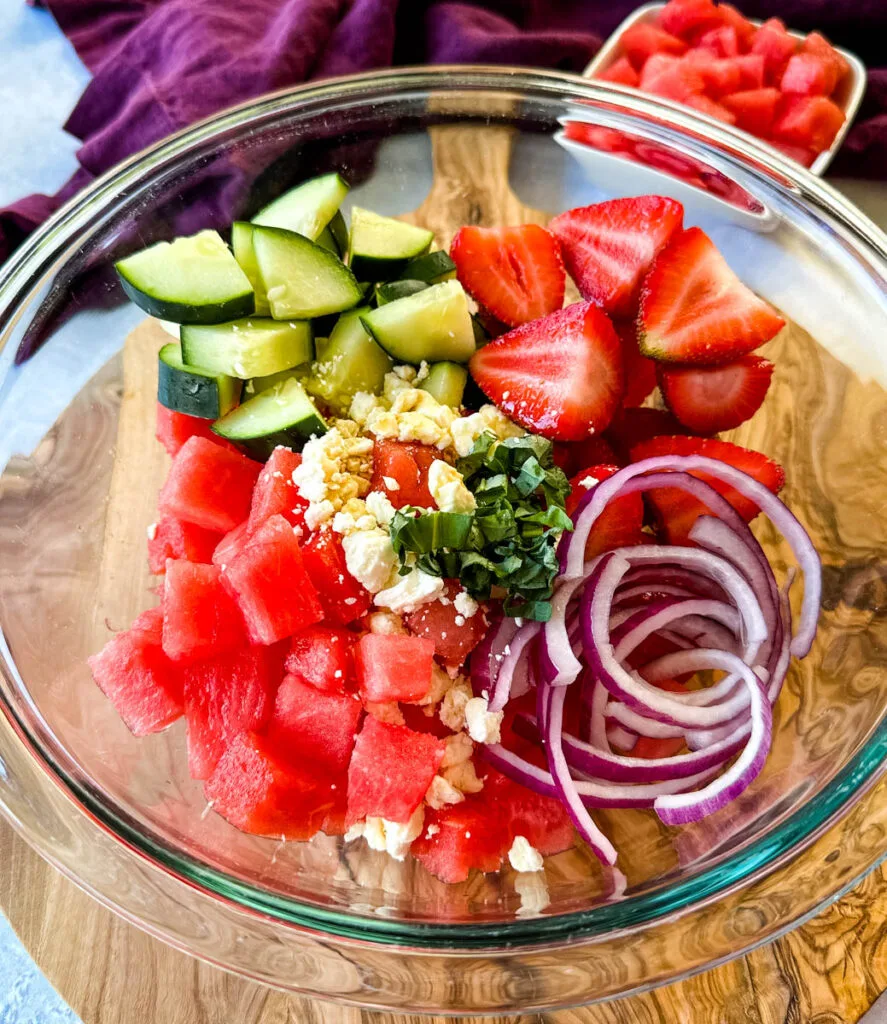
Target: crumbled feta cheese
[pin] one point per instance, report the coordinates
(448, 488)
(466, 430)
(464, 777)
(391, 837)
(386, 624)
(413, 415)
(377, 504)
(588, 482)
(483, 725)
(458, 750)
(452, 707)
(465, 604)
(431, 831)
(460, 620)
(440, 683)
(318, 513)
(370, 558)
(354, 516)
(441, 792)
(410, 591)
(362, 405)
(386, 711)
(335, 468)
(532, 888)
(152, 531)
(524, 857)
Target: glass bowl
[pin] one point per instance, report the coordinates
(120, 815)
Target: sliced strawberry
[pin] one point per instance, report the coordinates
(672, 78)
(754, 109)
(560, 376)
(809, 121)
(572, 456)
(689, 19)
(722, 41)
(776, 46)
(619, 525)
(515, 273)
(711, 107)
(640, 372)
(633, 426)
(676, 510)
(809, 74)
(640, 42)
(708, 399)
(694, 309)
(620, 71)
(609, 247)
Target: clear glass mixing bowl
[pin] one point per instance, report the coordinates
(121, 816)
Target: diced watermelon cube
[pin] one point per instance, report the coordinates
(231, 544)
(722, 41)
(808, 74)
(751, 70)
(744, 29)
(275, 493)
(258, 791)
(175, 428)
(671, 78)
(393, 668)
(819, 45)
(136, 676)
(173, 538)
(689, 19)
(719, 75)
(271, 585)
(542, 820)
(224, 696)
(454, 636)
(776, 46)
(314, 728)
(323, 657)
(641, 41)
(209, 486)
(809, 121)
(199, 616)
(406, 465)
(712, 108)
(390, 771)
(620, 71)
(754, 109)
(343, 599)
(801, 154)
(463, 836)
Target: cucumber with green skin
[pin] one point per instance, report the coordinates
(335, 235)
(251, 347)
(245, 254)
(433, 325)
(308, 208)
(256, 385)
(446, 382)
(349, 361)
(302, 279)
(380, 247)
(431, 267)
(193, 280)
(392, 290)
(282, 414)
(191, 389)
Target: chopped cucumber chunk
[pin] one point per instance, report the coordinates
(379, 247)
(335, 235)
(307, 208)
(252, 347)
(446, 382)
(191, 389)
(192, 280)
(432, 267)
(397, 290)
(348, 362)
(302, 280)
(244, 253)
(256, 385)
(433, 325)
(282, 414)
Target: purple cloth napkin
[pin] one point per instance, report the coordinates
(159, 65)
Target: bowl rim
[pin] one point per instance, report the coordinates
(760, 857)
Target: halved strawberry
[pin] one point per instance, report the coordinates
(676, 510)
(609, 247)
(694, 309)
(620, 71)
(631, 427)
(619, 525)
(708, 399)
(572, 456)
(560, 376)
(640, 372)
(755, 109)
(689, 19)
(515, 273)
(641, 41)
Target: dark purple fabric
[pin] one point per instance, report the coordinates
(159, 65)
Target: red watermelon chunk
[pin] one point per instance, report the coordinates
(754, 109)
(260, 792)
(722, 41)
(776, 46)
(231, 544)
(817, 44)
(454, 636)
(172, 538)
(689, 19)
(343, 599)
(393, 668)
(271, 584)
(542, 820)
(275, 493)
(323, 657)
(175, 428)
(642, 41)
(712, 108)
(315, 729)
(808, 74)
(400, 469)
(136, 676)
(720, 76)
(745, 31)
(224, 696)
(802, 154)
(620, 71)
(460, 837)
(209, 485)
(200, 618)
(808, 121)
(672, 78)
(751, 70)
(390, 771)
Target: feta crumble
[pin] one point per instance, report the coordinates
(488, 419)
(410, 592)
(465, 604)
(524, 857)
(370, 558)
(391, 837)
(448, 488)
(483, 725)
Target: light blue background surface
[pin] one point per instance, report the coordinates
(40, 80)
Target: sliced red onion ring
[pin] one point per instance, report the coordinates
(640, 724)
(510, 656)
(486, 658)
(619, 737)
(558, 664)
(653, 617)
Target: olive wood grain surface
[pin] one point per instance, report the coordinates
(828, 971)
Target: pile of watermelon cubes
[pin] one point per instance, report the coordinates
(761, 79)
(261, 642)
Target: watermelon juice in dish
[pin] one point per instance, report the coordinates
(439, 566)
